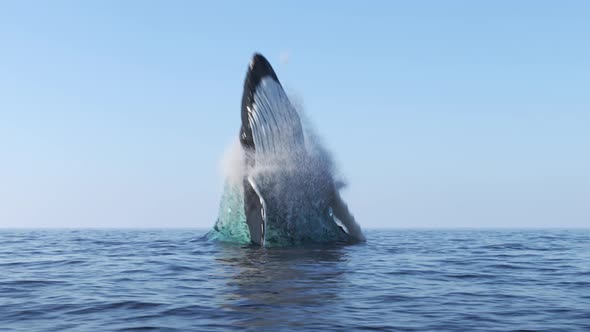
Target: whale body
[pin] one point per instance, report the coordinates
(286, 193)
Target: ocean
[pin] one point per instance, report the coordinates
(399, 280)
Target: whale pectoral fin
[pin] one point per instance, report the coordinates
(255, 211)
(341, 212)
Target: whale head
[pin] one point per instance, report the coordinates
(288, 193)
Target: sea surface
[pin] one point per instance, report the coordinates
(400, 280)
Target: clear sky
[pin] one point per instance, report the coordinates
(438, 113)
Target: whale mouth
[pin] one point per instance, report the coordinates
(270, 127)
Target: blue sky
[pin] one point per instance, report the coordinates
(439, 114)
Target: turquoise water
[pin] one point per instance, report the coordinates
(399, 280)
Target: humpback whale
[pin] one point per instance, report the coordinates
(286, 192)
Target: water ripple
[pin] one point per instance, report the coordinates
(400, 280)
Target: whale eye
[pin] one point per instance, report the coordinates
(330, 212)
